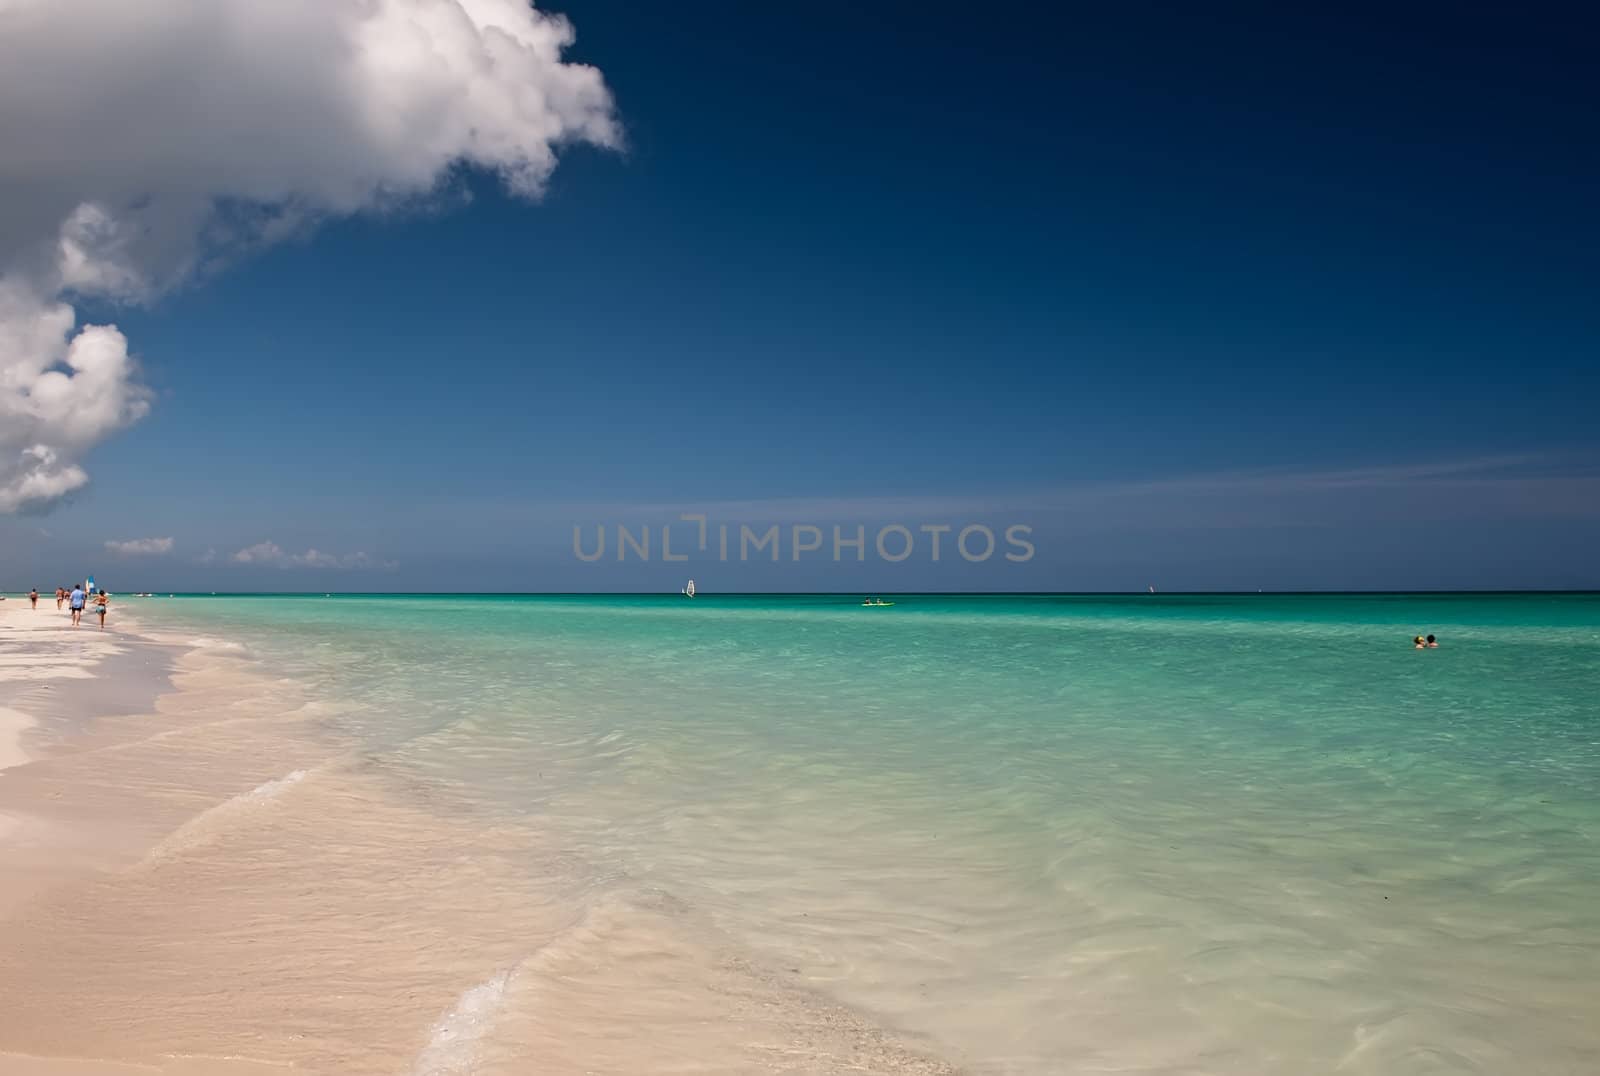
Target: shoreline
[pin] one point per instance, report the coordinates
(669, 595)
(231, 885)
(441, 843)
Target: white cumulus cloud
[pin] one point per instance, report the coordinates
(140, 547)
(270, 553)
(141, 144)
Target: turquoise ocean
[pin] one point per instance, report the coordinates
(1042, 834)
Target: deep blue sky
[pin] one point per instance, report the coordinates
(1019, 261)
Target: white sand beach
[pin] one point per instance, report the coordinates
(199, 876)
(82, 799)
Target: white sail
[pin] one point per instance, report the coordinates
(689, 590)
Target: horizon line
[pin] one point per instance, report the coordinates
(846, 593)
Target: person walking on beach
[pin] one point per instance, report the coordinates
(60, 597)
(75, 600)
(101, 601)
(33, 598)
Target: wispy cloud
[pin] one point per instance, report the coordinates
(270, 553)
(140, 547)
(1500, 487)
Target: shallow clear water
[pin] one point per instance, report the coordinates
(1145, 834)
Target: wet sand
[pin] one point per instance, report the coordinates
(12, 726)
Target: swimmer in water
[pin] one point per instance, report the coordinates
(1432, 643)
(1418, 644)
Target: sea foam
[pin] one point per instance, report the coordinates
(454, 1041)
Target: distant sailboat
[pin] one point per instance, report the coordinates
(688, 591)
(1152, 589)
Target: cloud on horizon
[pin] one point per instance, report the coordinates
(1509, 486)
(140, 547)
(269, 553)
(311, 110)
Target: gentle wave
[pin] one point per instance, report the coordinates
(209, 824)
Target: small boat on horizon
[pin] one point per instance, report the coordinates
(875, 603)
(688, 591)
